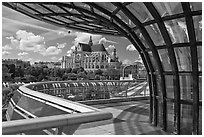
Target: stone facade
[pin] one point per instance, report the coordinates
(90, 57)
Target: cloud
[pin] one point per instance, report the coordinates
(60, 59)
(84, 38)
(6, 53)
(69, 52)
(65, 33)
(61, 46)
(111, 47)
(22, 53)
(29, 59)
(104, 40)
(14, 42)
(131, 47)
(52, 50)
(6, 47)
(54, 58)
(127, 62)
(27, 41)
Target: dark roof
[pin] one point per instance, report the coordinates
(85, 47)
(98, 47)
(93, 48)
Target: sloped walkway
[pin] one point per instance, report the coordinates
(129, 118)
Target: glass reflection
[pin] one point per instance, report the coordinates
(125, 19)
(186, 119)
(199, 50)
(155, 34)
(141, 37)
(168, 8)
(82, 5)
(107, 5)
(198, 27)
(186, 87)
(140, 11)
(195, 6)
(177, 30)
(169, 86)
(154, 63)
(183, 57)
(164, 57)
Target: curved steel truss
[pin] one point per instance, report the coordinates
(168, 37)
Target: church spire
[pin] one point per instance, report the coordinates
(90, 41)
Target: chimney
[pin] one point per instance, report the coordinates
(90, 41)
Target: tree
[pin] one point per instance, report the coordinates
(114, 74)
(68, 70)
(98, 72)
(82, 75)
(6, 76)
(97, 77)
(11, 68)
(19, 72)
(75, 70)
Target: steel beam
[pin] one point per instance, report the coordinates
(194, 58)
(172, 57)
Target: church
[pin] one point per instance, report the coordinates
(91, 57)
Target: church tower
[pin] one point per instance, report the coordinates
(90, 41)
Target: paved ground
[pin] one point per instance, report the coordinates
(129, 118)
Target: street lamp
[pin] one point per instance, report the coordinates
(124, 70)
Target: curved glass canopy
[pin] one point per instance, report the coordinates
(168, 36)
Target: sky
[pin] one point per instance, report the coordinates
(31, 40)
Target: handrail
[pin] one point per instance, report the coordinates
(86, 114)
(20, 126)
(63, 102)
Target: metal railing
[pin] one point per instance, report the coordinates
(93, 90)
(31, 112)
(59, 122)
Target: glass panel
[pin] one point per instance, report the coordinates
(164, 57)
(71, 10)
(186, 87)
(107, 5)
(159, 113)
(155, 34)
(177, 30)
(199, 50)
(170, 117)
(183, 57)
(27, 9)
(159, 90)
(76, 19)
(101, 14)
(55, 8)
(200, 121)
(140, 11)
(125, 19)
(141, 37)
(200, 88)
(169, 86)
(168, 8)
(64, 19)
(153, 61)
(82, 5)
(85, 26)
(196, 6)
(53, 20)
(198, 27)
(186, 119)
(39, 8)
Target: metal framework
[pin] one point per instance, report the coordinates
(162, 33)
